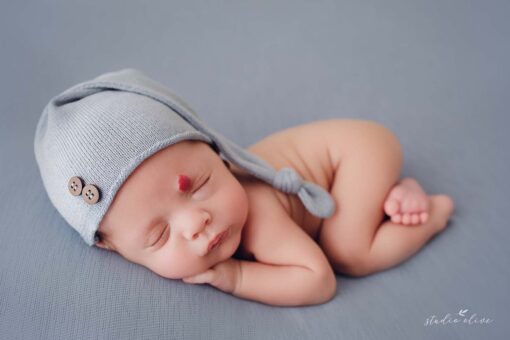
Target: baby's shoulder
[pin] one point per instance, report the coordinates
(262, 201)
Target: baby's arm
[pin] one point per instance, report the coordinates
(292, 269)
(283, 285)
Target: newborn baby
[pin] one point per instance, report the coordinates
(184, 214)
(134, 170)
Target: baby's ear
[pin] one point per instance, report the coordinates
(227, 164)
(102, 245)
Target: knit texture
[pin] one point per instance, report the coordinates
(102, 129)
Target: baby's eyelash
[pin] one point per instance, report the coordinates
(207, 180)
(161, 236)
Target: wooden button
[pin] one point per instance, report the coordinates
(90, 194)
(75, 185)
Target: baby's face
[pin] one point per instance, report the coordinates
(155, 222)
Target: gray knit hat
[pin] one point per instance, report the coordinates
(92, 136)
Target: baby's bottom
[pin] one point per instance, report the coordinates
(356, 239)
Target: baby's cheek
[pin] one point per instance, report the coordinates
(177, 267)
(169, 271)
(239, 200)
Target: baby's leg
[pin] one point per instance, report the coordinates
(395, 242)
(355, 239)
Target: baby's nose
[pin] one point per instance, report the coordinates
(196, 226)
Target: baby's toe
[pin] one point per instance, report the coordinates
(397, 218)
(415, 218)
(391, 207)
(406, 218)
(424, 217)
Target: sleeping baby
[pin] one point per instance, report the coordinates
(134, 170)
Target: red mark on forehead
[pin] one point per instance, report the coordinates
(184, 183)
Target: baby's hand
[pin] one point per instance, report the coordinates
(224, 276)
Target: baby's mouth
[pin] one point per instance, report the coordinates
(218, 240)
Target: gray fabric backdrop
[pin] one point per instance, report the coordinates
(435, 72)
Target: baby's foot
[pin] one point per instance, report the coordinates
(407, 203)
